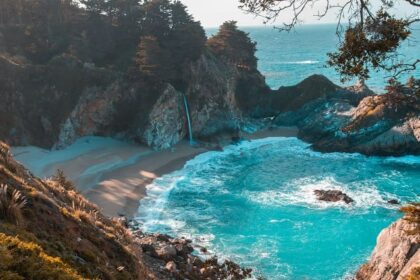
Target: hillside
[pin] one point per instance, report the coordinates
(49, 231)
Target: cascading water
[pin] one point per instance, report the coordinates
(187, 112)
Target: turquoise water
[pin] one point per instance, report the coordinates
(254, 203)
(287, 58)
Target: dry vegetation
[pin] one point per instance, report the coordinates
(49, 231)
(412, 215)
(414, 274)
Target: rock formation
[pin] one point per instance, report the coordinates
(354, 119)
(79, 100)
(396, 255)
(333, 196)
(71, 99)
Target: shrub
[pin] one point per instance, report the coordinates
(62, 180)
(412, 212)
(11, 205)
(414, 274)
(27, 260)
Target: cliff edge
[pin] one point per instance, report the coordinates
(396, 255)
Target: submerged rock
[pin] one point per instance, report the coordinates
(333, 196)
(393, 201)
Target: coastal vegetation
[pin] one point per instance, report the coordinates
(369, 34)
(49, 231)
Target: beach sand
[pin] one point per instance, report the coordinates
(114, 174)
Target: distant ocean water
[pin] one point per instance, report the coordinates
(288, 58)
(254, 203)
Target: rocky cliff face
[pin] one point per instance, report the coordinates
(396, 255)
(107, 104)
(54, 104)
(354, 119)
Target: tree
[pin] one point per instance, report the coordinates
(152, 60)
(234, 46)
(371, 35)
(157, 19)
(186, 39)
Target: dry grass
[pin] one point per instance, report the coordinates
(412, 212)
(62, 180)
(412, 215)
(12, 205)
(414, 274)
(21, 259)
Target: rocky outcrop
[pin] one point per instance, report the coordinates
(357, 120)
(167, 121)
(396, 254)
(174, 257)
(75, 99)
(333, 196)
(54, 104)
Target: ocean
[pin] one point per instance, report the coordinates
(287, 58)
(254, 203)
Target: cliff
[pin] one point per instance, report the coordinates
(396, 255)
(54, 104)
(352, 119)
(49, 231)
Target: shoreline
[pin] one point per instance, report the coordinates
(114, 174)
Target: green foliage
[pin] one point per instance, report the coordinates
(27, 260)
(171, 40)
(369, 46)
(11, 205)
(105, 33)
(152, 59)
(234, 46)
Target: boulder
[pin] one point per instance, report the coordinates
(396, 253)
(333, 196)
(167, 252)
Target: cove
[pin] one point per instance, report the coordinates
(254, 203)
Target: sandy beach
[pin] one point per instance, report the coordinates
(114, 174)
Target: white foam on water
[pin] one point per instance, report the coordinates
(409, 160)
(301, 192)
(153, 205)
(301, 62)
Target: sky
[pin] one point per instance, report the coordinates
(212, 13)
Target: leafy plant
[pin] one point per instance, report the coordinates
(11, 205)
(27, 260)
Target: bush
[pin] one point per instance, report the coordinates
(412, 212)
(62, 180)
(414, 274)
(27, 260)
(11, 205)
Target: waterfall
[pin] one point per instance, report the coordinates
(187, 112)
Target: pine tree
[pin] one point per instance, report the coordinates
(234, 46)
(152, 60)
